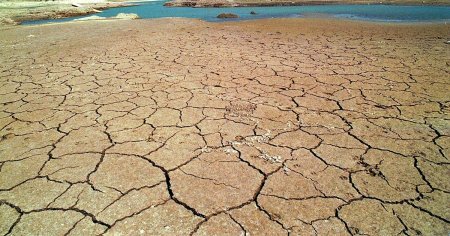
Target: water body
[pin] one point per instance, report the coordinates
(383, 13)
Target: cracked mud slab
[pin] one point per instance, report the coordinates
(181, 127)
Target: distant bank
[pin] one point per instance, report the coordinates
(16, 11)
(265, 3)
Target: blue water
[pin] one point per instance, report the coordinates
(384, 13)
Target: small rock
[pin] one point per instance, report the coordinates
(286, 170)
(8, 21)
(90, 18)
(229, 150)
(374, 172)
(206, 149)
(227, 15)
(130, 16)
(448, 42)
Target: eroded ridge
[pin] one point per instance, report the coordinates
(181, 127)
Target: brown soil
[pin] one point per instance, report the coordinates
(177, 127)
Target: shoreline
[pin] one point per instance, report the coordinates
(308, 18)
(262, 21)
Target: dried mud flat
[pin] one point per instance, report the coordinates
(178, 127)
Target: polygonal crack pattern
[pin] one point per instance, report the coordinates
(181, 127)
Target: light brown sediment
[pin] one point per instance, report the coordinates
(16, 12)
(177, 126)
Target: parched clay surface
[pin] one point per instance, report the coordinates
(181, 127)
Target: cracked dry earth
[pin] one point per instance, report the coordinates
(181, 127)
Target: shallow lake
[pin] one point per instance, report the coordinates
(383, 13)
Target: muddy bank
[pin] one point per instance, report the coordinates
(12, 13)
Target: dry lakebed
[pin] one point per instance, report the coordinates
(264, 127)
